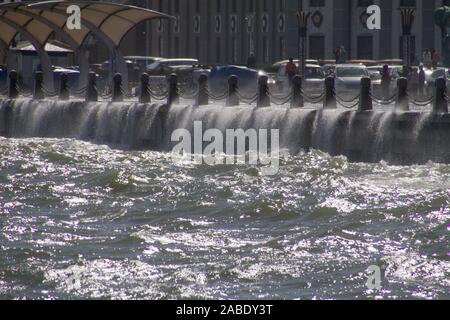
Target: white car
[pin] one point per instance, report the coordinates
(166, 66)
(313, 83)
(438, 73)
(348, 78)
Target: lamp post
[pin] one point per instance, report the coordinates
(407, 17)
(442, 19)
(302, 20)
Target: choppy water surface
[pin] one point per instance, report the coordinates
(80, 220)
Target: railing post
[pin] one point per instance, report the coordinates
(13, 92)
(117, 95)
(297, 97)
(173, 90)
(365, 99)
(64, 87)
(440, 105)
(263, 92)
(233, 98)
(144, 94)
(329, 101)
(38, 93)
(402, 103)
(91, 90)
(202, 96)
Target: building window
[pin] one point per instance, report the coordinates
(282, 53)
(176, 48)
(317, 47)
(265, 50)
(217, 50)
(407, 3)
(197, 48)
(317, 3)
(161, 46)
(365, 47)
(234, 50)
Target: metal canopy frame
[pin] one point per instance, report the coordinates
(108, 22)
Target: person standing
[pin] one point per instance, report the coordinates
(342, 55)
(434, 58)
(291, 69)
(337, 54)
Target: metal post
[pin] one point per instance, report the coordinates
(263, 92)
(402, 103)
(38, 93)
(297, 97)
(233, 98)
(13, 91)
(440, 104)
(173, 90)
(64, 87)
(144, 95)
(91, 90)
(365, 100)
(117, 95)
(202, 96)
(329, 101)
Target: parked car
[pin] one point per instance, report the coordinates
(328, 69)
(348, 78)
(313, 81)
(73, 76)
(142, 61)
(248, 78)
(438, 73)
(166, 66)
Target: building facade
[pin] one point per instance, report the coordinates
(228, 31)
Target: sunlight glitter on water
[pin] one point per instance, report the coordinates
(80, 220)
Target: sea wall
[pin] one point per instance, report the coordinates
(362, 136)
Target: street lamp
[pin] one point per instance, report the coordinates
(442, 19)
(407, 17)
(302, 20)
(249, 19)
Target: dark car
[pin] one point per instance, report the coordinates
(248, 78)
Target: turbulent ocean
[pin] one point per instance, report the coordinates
(81, 218)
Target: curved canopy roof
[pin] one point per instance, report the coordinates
(41, 18)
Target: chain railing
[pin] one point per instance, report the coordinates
(170, 90)
(420, 103)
